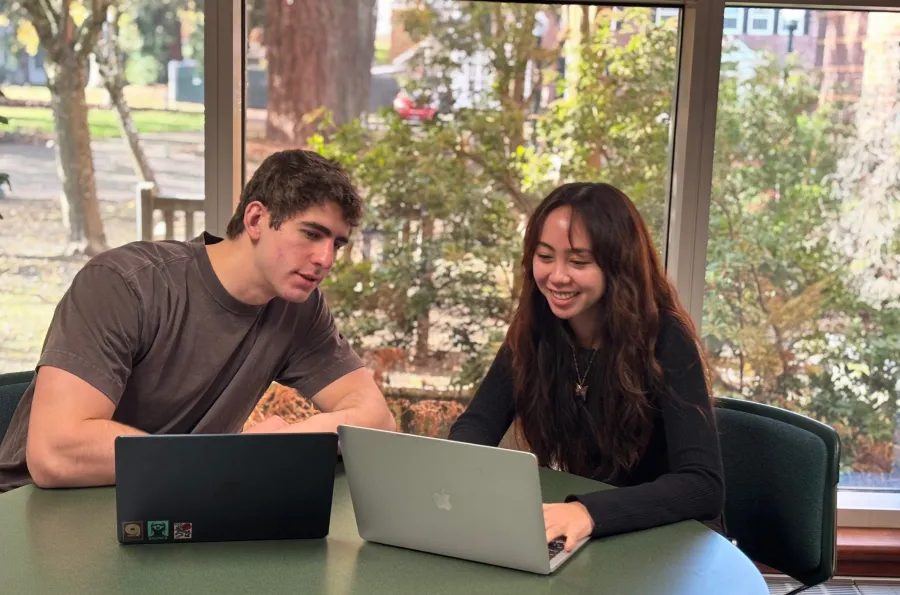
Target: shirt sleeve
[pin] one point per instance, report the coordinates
(95, 330)
(491, 411)
(321, 356)
(694, 487)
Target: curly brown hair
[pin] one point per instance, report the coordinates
(291, 181)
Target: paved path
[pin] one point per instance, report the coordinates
(177, 160)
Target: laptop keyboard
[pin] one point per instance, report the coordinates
(556, 546)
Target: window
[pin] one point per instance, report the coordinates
(667, 14)
(425, 291)
(788, 17)
(159, 53)
(802, 301)
(761, 21)
(734, 21)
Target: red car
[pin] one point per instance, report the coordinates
(410, 109)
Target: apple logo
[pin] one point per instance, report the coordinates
(442, 500)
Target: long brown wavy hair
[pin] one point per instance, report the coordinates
(625, 371)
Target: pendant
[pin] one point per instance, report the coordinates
(580, 390)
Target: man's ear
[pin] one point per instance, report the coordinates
(255, 217)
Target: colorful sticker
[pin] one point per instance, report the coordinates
(184, 530)
(132, 531)
(157, 530)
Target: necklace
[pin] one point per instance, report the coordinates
(580, 386)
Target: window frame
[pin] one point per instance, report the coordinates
(224, 71)
(692, 140)
(740, 15)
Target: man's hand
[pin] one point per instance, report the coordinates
(571, 519)
(268, 425)
(353, 400)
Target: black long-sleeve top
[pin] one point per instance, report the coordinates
(680, 474)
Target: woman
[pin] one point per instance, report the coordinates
(602, 373)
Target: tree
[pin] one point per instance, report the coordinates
(861, 376)
(448, 198)
(783, 320)
(67, 32)
(159, 28)
(525, 127)
(444, 240)
(108, 53)
(614, 123)
(320, 57)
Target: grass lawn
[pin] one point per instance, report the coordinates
(137, 96)
(103, 122)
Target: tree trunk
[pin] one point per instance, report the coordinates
(75, 162)
(320, 57)
(111, 69)
(66, 63)
(423, 322)
(129, 133)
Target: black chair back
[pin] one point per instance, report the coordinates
(12, 387)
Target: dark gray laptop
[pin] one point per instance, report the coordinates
(212, 487)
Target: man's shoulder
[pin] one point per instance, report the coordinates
(140, 257)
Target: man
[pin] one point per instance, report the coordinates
(181, 337)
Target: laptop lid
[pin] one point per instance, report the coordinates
(217, 487)
(467, 501)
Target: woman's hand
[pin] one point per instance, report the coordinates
(571, 519)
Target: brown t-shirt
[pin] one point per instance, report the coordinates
(151, 327)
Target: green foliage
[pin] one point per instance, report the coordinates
(194, 49)
(448, 198)
(442, 236)
(783, 323)
(382, 52)
(615, 127)
(104, 123)
(158, 27)
(142, 70)
(786, 318)
(151, 34)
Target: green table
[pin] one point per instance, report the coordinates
(64, 541)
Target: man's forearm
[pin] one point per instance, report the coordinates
(363, 414)
(85, 457)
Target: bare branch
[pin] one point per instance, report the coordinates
(64, 24)
(783, 355)
(52, 15)
(547, 57)
(717, 377)
(522, 200)
(86, 35)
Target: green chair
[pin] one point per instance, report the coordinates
(781, 476)
(12, 387)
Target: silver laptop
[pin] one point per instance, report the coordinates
(467, 501)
